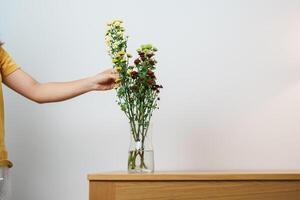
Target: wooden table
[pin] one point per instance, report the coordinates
(195, 186)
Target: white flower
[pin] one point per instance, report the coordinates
(117, 23)
(115, 46)
(119, 33)
(108, 40)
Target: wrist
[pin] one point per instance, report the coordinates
(91, 84)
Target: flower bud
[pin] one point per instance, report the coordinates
(119, 68)
(146, 46)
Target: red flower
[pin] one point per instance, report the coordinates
(150, 55)
(133, 73)
(150, 73)
(152, 62)
(137, 61)
(142, 54)
(151, 82)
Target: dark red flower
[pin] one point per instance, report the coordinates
(137, 61)
(151, 82)
(150, 55)
(150, 73)
(152, 62)
(133, 73)
(142, 54)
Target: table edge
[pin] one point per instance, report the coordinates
(194, 176)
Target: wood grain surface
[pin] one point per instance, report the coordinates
(196, 186)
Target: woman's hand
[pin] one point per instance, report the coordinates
(105, 80)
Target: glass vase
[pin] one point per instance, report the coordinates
(140, 155)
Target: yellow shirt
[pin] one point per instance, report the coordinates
(7, 66)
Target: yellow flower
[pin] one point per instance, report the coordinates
(117, 23)
(121, 53)
(118, 68)
(115, 60)
(118, 80)
(129, 71)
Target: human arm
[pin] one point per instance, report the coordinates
(27, 86)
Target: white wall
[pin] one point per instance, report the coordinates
(231, 71)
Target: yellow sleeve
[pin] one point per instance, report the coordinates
(7, 64)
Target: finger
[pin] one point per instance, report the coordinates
(109, 87)
(107, 71)
(114, 77)
(116, 85)
(114, 71)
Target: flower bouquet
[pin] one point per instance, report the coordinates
(137, 93)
